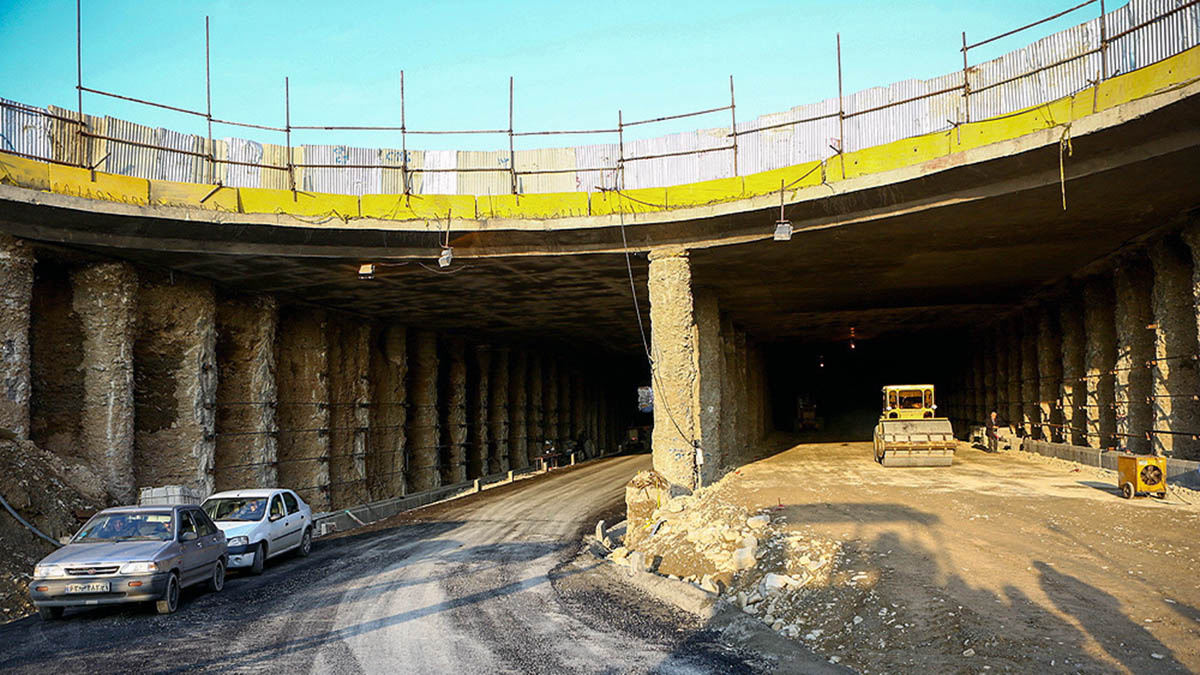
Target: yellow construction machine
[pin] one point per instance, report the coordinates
(909, 432)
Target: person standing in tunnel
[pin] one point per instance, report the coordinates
(993, 432)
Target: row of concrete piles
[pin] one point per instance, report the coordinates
(1106, 360)
(147, 378)
(711, 393)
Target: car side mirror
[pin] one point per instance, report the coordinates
(187, 536)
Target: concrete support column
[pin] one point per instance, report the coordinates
(565, 414)
(1191, 236)
(1174, 375)
(578, 408)
(1132, 282)
(1073, 395)
(740, 398)
(16, 292)
(1100, 354)
(105, 300)
(710, 367)
(424, 431)
(246, 446)
(1031, 411)
(1050, 373)
(518, 403)
(535, 401)
(389, 412)
(175, 384)
(990, 352)
(349, 409)
(56, 367)
(727, 412)
(302, 379)
(685, 339)
(480, 396)
(454, 434)
(550, 404)
(978, 381)
(498, 457)
(1016, 409)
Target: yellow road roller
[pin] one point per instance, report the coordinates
(909, 432)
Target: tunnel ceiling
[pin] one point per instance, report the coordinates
(951, 267)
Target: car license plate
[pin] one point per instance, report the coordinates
(94, 587)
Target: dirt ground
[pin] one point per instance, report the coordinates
(42, 487)
(1006, 562)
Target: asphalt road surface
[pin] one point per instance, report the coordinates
(491, 583)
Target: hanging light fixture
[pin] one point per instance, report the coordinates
(783, 227)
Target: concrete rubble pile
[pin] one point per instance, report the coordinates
(783, 577)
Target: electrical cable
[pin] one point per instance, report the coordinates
(642, 329)
(27, 524)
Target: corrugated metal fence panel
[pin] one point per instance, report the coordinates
(766, 150)
(96, 149)
(547, 159)
(441, 182)
(24, 131)
(220, 171)
(277, 179)
(688, 168)
(894, 122)
(349, 181)
(1043, 86)
(945, 109)
(812, 141)
(393, 179)
(68, 145)
(127, 159)
(498, 182)
(242, 150)
(177, 166)
(589, 158)
(1155, 42)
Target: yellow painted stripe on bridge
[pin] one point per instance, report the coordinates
(111, 187)
(300, 203)
(193, 195)
(534, 205)
(26, 173)
(417, 207)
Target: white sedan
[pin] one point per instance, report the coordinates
(261, 524)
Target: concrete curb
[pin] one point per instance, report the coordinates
(1179, 471)
(365, 514)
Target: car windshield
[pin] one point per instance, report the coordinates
(236, 508)
(911, 399)
(152, 526)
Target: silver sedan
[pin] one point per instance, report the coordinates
(132, 554)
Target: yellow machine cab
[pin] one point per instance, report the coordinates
(908, 402)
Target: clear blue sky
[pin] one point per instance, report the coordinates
(575, 64)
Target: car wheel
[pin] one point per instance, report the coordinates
(50, 613)
(305, 543)
(170, 598)
(260, 559)
(217, 582)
